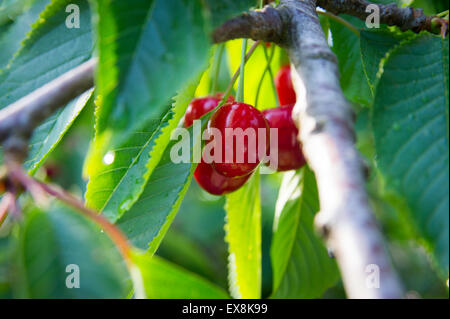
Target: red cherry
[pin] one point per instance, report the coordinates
(200, 106)
(2, 187)
(214, 183)
(235, 115)
(204, 174)
(283, 84)
(52, 170)
(290, 155)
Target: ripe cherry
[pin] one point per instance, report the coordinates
(290, 155)
(234, 116)
(200, 106)
(205, 175)
(214, 183)
(283, 84)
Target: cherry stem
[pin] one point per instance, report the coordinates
(340, 20)
(267, 69)
(240, 88)
(216, 67)
(236, 74)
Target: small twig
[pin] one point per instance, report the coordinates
(406, 18)
(340, 20)
(5, 205)
(17, 173)
(268, 24)
(440, 24)
(114, 233)
(18, 120)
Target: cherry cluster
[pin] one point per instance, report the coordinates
(224, 177)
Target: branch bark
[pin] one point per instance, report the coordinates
(264, 24)
(18, 120)
(325, 121)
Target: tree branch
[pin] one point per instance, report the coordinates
(406, 18)
(268, 24)
(264, 24)
(18, 120)
(325, 121)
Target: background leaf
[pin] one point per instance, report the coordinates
(164, 280)
(146, 223)
(374, 47)
(114, 187)
(15, 33)
(50, 241)
(300, 261)
(50, 50)
(410, 121)
(140, 42)
(243, 235)
(347, 49)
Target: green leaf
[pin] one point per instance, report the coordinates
(51, 241)
(148, 51)
(50, 50)
(183, 250)
(148, 220)
(114, 187)
(243, 235)
(164, 280)
(8, 247)
(410, 122)
(374, 47)
(11, 9)
(48, 134)
(347, 49)
(300, 261)
(11, 40)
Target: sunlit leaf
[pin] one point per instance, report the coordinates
(243, 235)
(164, 280)
(301, 265)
